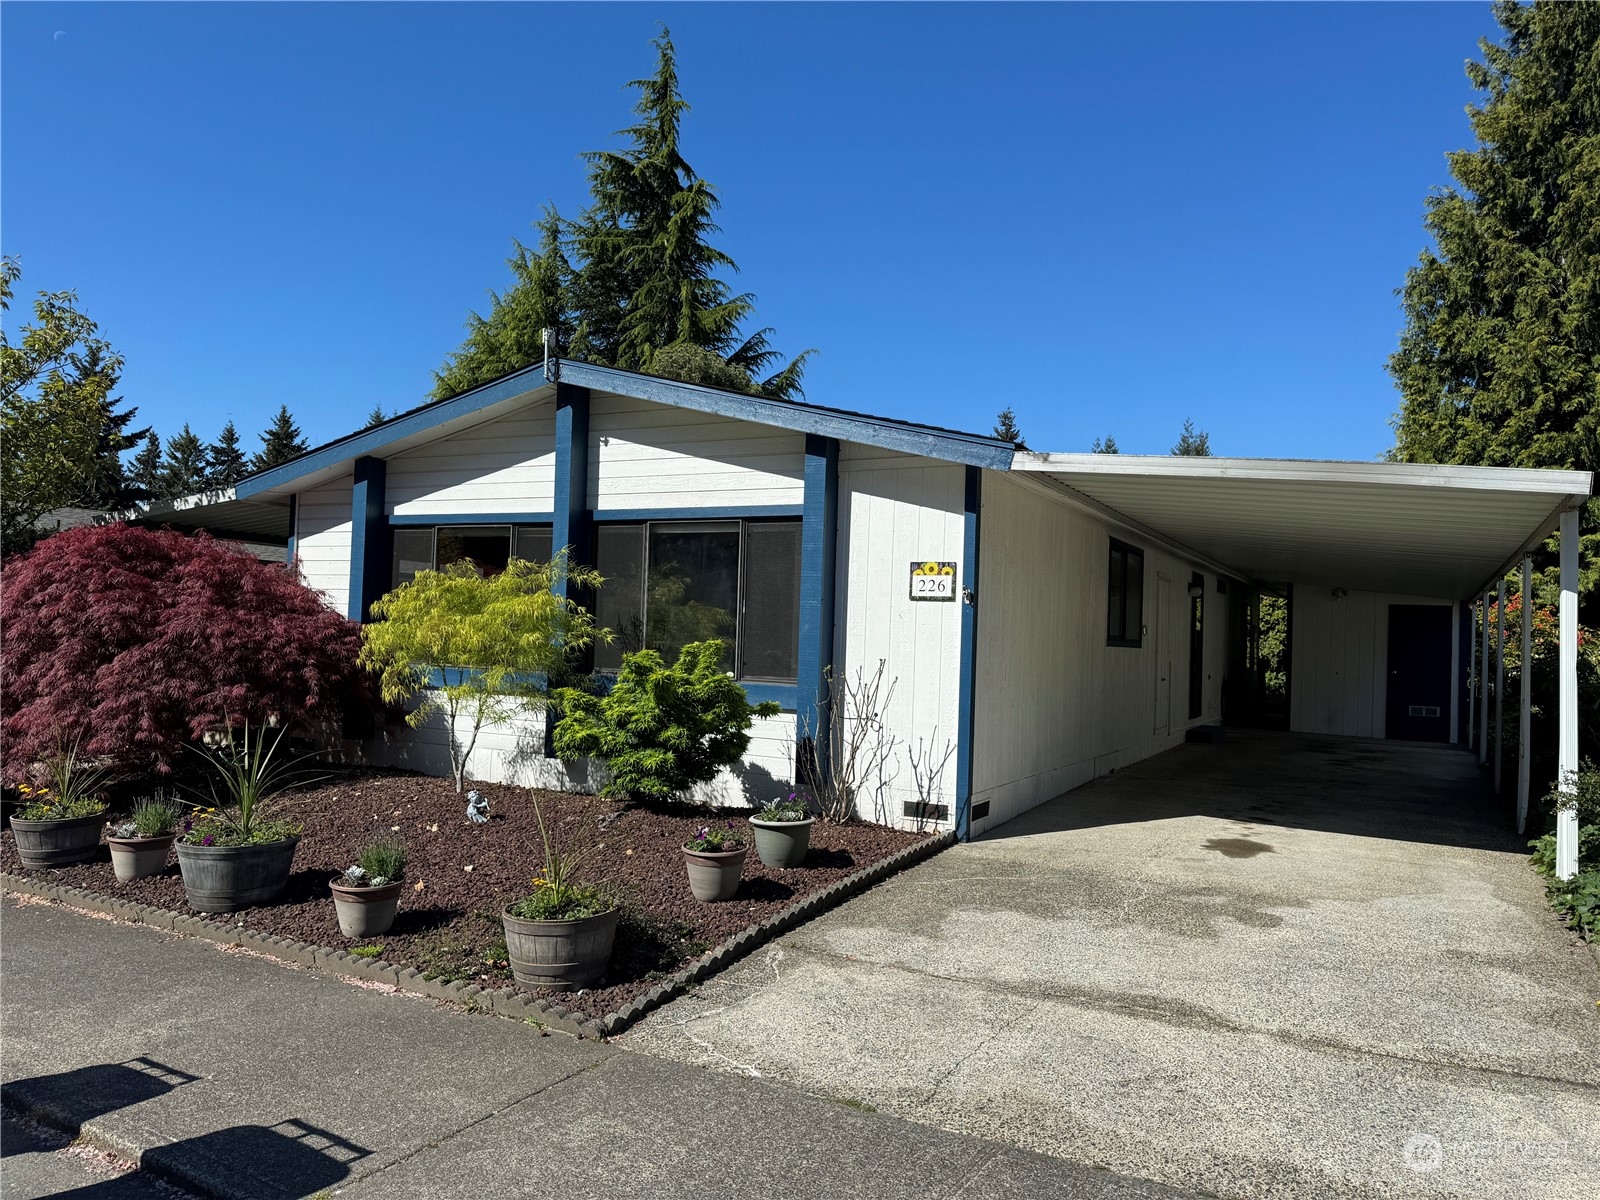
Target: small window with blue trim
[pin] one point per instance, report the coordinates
(1125, 595)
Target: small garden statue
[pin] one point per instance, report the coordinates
(477, 807)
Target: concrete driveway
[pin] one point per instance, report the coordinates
(1278, 966)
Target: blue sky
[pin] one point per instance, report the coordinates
(1110, 217)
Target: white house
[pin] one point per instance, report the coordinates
(1052, 616)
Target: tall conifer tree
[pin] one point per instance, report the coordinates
(226, 462)
(146, 469)
(183, 469)
(280, 442)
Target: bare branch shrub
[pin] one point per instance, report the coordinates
(927, 774)
(855, 763)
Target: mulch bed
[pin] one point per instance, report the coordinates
(460, 875)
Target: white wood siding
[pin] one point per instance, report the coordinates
(502, 466)
(322, 540)
(644, 455)
(1339, 660)
(1055, 706)
(895, 509)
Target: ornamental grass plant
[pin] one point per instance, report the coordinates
(63, 787)
(248, 778)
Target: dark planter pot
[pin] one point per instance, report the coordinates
(367, 911)
(225, 878)
(783, 844)
(563, 954)
(57, 843)
(714, 875)
(137, 857)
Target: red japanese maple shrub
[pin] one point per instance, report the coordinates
(131, 642)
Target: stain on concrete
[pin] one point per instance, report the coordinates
(1238, 847)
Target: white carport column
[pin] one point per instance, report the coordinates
(1525, 725)
(1483, 681)
(1499, 680)
(1470, 613)
(1567, 752)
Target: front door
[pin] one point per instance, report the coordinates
(1418, 699)
(1161, 639)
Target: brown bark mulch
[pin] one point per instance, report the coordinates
(460, 875)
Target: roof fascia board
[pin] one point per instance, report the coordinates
(1573, 485)
(969, 449)
(1070, 495)
(370, 441)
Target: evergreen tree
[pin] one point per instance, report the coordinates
(634, 281)
(280, 442)
(1192, 443)
(376, 417)
(183, 469)
(1106, 446)
(1498, 362)
(146, 470)
(1005, 426)
(226, 462)
(110, 486)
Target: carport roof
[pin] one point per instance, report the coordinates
(1415, 529)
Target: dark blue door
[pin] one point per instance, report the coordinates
(1418, 707)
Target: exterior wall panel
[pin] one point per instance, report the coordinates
(322, 540)
(501, 466)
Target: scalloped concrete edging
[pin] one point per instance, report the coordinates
(506, 1002)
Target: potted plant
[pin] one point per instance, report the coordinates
(783, 832)
(236, 853)
(140, 844)
(366, 896)
(561, 935)
(61, 815)
(715, 859)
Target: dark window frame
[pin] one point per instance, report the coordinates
(1124, 562)
(433, 532)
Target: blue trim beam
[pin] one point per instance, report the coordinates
(749, 512)
(370, 550)
(429, 519)
(294, 526)
(971, 510)
(571, 524)
(818, 556)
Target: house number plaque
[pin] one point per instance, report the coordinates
(933, 580)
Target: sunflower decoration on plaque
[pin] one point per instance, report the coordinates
(933, 580)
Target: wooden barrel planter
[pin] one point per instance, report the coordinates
(366, 912)
(225, 878)
(714, 875)
(562, 954)
(783, 844)
(138, 857)
(57, 843)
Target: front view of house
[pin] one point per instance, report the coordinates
(1046, 618)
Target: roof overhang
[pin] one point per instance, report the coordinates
(222, 512)
(1408, 528)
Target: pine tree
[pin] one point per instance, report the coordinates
(1107, 446)
(146, 470)
(1498, 362)
(226, 462)
(376, 417)
(280, 442)
(1005, 426)
(183, 469)
(1192, 443)
(110, 486)
(633, 282)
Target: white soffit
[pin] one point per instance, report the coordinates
(1414, 529)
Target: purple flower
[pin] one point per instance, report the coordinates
(208, 840)
(731, 825)
(187, 826)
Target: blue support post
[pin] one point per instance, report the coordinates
(969, 651)
(571, 524)
(819, 532)
(294, 527)
(369, 537)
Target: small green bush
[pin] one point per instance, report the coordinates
(661, 730)
(792, 808)
(384, 859)
(154, 816)
(1576, 900)
(563, 904)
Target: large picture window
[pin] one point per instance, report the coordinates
(1125, 595)
(487, 547)
(669, 583)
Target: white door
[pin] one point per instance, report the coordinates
(1161, 640)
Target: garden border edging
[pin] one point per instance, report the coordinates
(507, 1002)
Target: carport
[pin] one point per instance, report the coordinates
(1363, 550)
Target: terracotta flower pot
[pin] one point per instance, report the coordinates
(137, 857)
(365, 912)
(783, 844)
(565, 954)
(225, 878)
(714, 874)
(57, 843)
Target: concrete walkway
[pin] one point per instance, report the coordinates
(239, 1077)
(1278, 966)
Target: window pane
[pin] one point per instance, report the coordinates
(771, 638)
(486, 547)
(693, 593)
(1114, 594)
(532, 543)
(413, 552)
(1133, 629)
(619, 603)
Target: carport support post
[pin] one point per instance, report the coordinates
(1483, 682)
(1499, 680)
(1470, 616)
(1525, 725)
(1567, 754)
